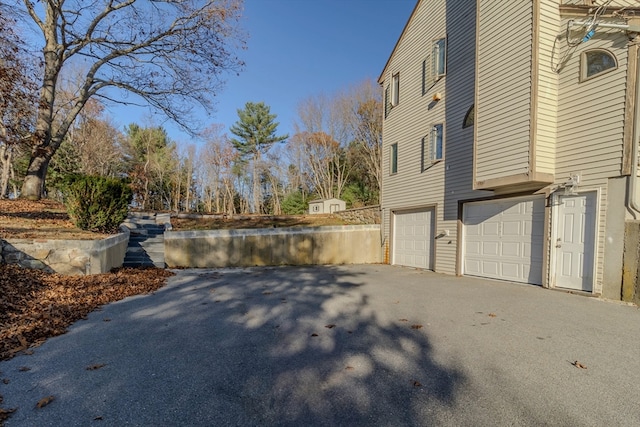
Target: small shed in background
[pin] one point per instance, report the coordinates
(326, 206)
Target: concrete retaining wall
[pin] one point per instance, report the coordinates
(631, 263)
(72, 257)
(349, 244)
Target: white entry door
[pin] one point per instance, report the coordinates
(412, 238)
(575, 241)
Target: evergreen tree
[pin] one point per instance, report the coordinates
(256, 132)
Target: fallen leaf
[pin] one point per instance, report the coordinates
(492, 315)
(417, 384)
(95, 367)
(578, 365)
(266, 293)
(314, 335)
(97, 419)
(349, 368)
(403, 320)
(330, 326)
(28, 352)
(106, 319)
(6, 380)
(416, 326)
(5, 413)
(44, 401)
(24, 368)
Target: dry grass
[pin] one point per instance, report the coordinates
(253, 221)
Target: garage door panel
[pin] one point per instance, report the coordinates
(511, 249)
(512, 228)
(511, 271)
(413, 237)
(510, 235)
(490, 248)
(489, 229)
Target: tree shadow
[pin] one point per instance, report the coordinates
(264, 346)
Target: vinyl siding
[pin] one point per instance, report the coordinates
(503, 101)
(443, 183)
(614, 3)
(590, 126)
(547, 107)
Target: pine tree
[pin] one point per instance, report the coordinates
(256, 132)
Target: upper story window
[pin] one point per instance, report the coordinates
(596, 62)
(394, 158)
(437, 139)
(439, 58)
(434, 67)
(469, 118)
(432, 147)
(395, 89)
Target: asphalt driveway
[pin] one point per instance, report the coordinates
(366, 345)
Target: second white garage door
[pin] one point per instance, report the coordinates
(412, 238)
(503, 239)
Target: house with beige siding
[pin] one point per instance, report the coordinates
(510, 140)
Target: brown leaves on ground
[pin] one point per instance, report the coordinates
(44, 401)
(6, 413)
(96, 366)
(578, 365)
(35, 305)
(42, 219)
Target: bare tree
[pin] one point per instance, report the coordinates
(170, 54)
(322, 133)
(218, 157)
(362, 108)
(97, 142)
(17, 96)
(324, 162)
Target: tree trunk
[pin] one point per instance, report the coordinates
(33, 185)
(5, 161)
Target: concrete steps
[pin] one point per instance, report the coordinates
(146, 241)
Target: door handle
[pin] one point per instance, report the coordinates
(558, 243)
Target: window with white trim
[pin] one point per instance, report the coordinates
(395, 89)
(439, 58)
(437, 142)
(595, 62)
(394, 158)
(434, 66)
(432, 147)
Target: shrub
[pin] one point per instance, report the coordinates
(97, 203)
(294, 204)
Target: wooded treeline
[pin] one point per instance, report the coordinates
(334, 152)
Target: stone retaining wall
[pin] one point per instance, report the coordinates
(349, 244)
(365, 215)
(71, 257)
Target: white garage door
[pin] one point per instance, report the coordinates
(412, 238)
(503, 239)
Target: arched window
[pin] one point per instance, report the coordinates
(469, 118)
(596, 62)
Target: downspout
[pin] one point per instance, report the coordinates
(633, 178)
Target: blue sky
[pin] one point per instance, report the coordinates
(297, 49)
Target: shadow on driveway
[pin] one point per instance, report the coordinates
(269, 346)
